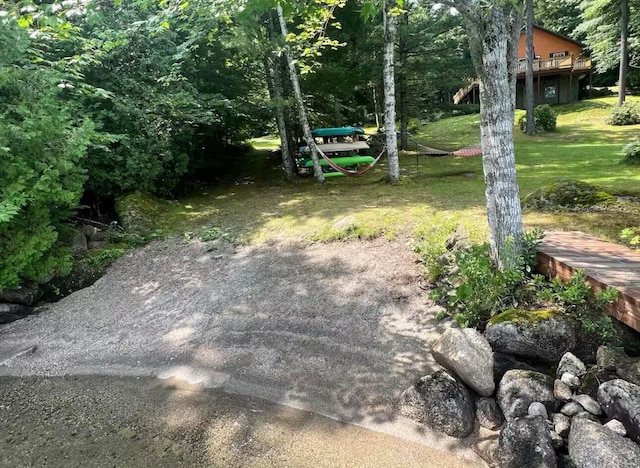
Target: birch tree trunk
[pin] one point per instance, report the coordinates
(493, 38)
(624, 53)
(390, 92)
(403, 109)
(302, 113)
(529, 96)
(275, 90)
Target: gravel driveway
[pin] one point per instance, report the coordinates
(340, 329)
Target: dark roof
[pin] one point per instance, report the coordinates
(561, 36)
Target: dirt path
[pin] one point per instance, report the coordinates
(339, 329)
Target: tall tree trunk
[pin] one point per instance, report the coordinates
(529, 96)
(493, 38)
(624, 53)
(304, 122)
(275, 90)
(390, 92)
(376, 109)
(402, 84)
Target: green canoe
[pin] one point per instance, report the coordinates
(342, 162)
(337, 131)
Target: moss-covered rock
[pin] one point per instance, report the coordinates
(540, 335)
(139, 212)
(567, 194)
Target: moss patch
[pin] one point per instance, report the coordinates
(139, 212)
(521, 315)
(567, 193)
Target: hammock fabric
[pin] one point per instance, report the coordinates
(347, 172)
(466, 152)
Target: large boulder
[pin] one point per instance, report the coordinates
(466, 353)
(440, 402)
(592, 445)
(526, 442)
(519, 388)
(542, 335)
(621, 400)
(629, 369)
(27, 294)
(139, 212)
(12, 312)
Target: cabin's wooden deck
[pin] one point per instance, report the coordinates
(606, 265)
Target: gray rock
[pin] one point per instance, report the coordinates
(12, 312)
(519, 388)
(92, 233)
(537, 409)
(608, 357)
(594, 446)
(571, 409)
(440, 402)
(346, 224)
(592, 379)
(503, 362)
(541, 339)
(617, 427)
(571, 364)
(571, 380)
(561, 390)
(621, 400)
(96, 244)
(25, 295)
(588, 404)
(467, 354)
(488, 413)
(77, 242)
(556, 440)
(586, 415)
(526, 442)
(561, 424)
(629, 370)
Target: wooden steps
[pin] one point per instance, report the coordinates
(605, 264)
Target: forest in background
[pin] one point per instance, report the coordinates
(101, 98)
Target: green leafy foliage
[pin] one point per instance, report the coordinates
(631, 153)
(578, 299)
(473, 289)
(631, 236)
(544, 119)
(101, 259)
(41, 180)
(626, 114)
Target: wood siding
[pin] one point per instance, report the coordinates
(546, 43)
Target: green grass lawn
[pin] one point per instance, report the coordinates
(433, 196)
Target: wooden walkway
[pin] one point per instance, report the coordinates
(606, 265)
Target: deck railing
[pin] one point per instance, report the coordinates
(560, 63)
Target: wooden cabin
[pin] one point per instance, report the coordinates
(559, 69)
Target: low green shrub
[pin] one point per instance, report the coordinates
(101, 259)
(473, 289)
(631, 153)
(544, 118)
(567, 194)
(631, 236)
(626, 114)
(578, 299)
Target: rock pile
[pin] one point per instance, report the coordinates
(19, 303)
(550, 418)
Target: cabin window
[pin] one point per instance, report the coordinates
(559, 54)
(550, 91)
